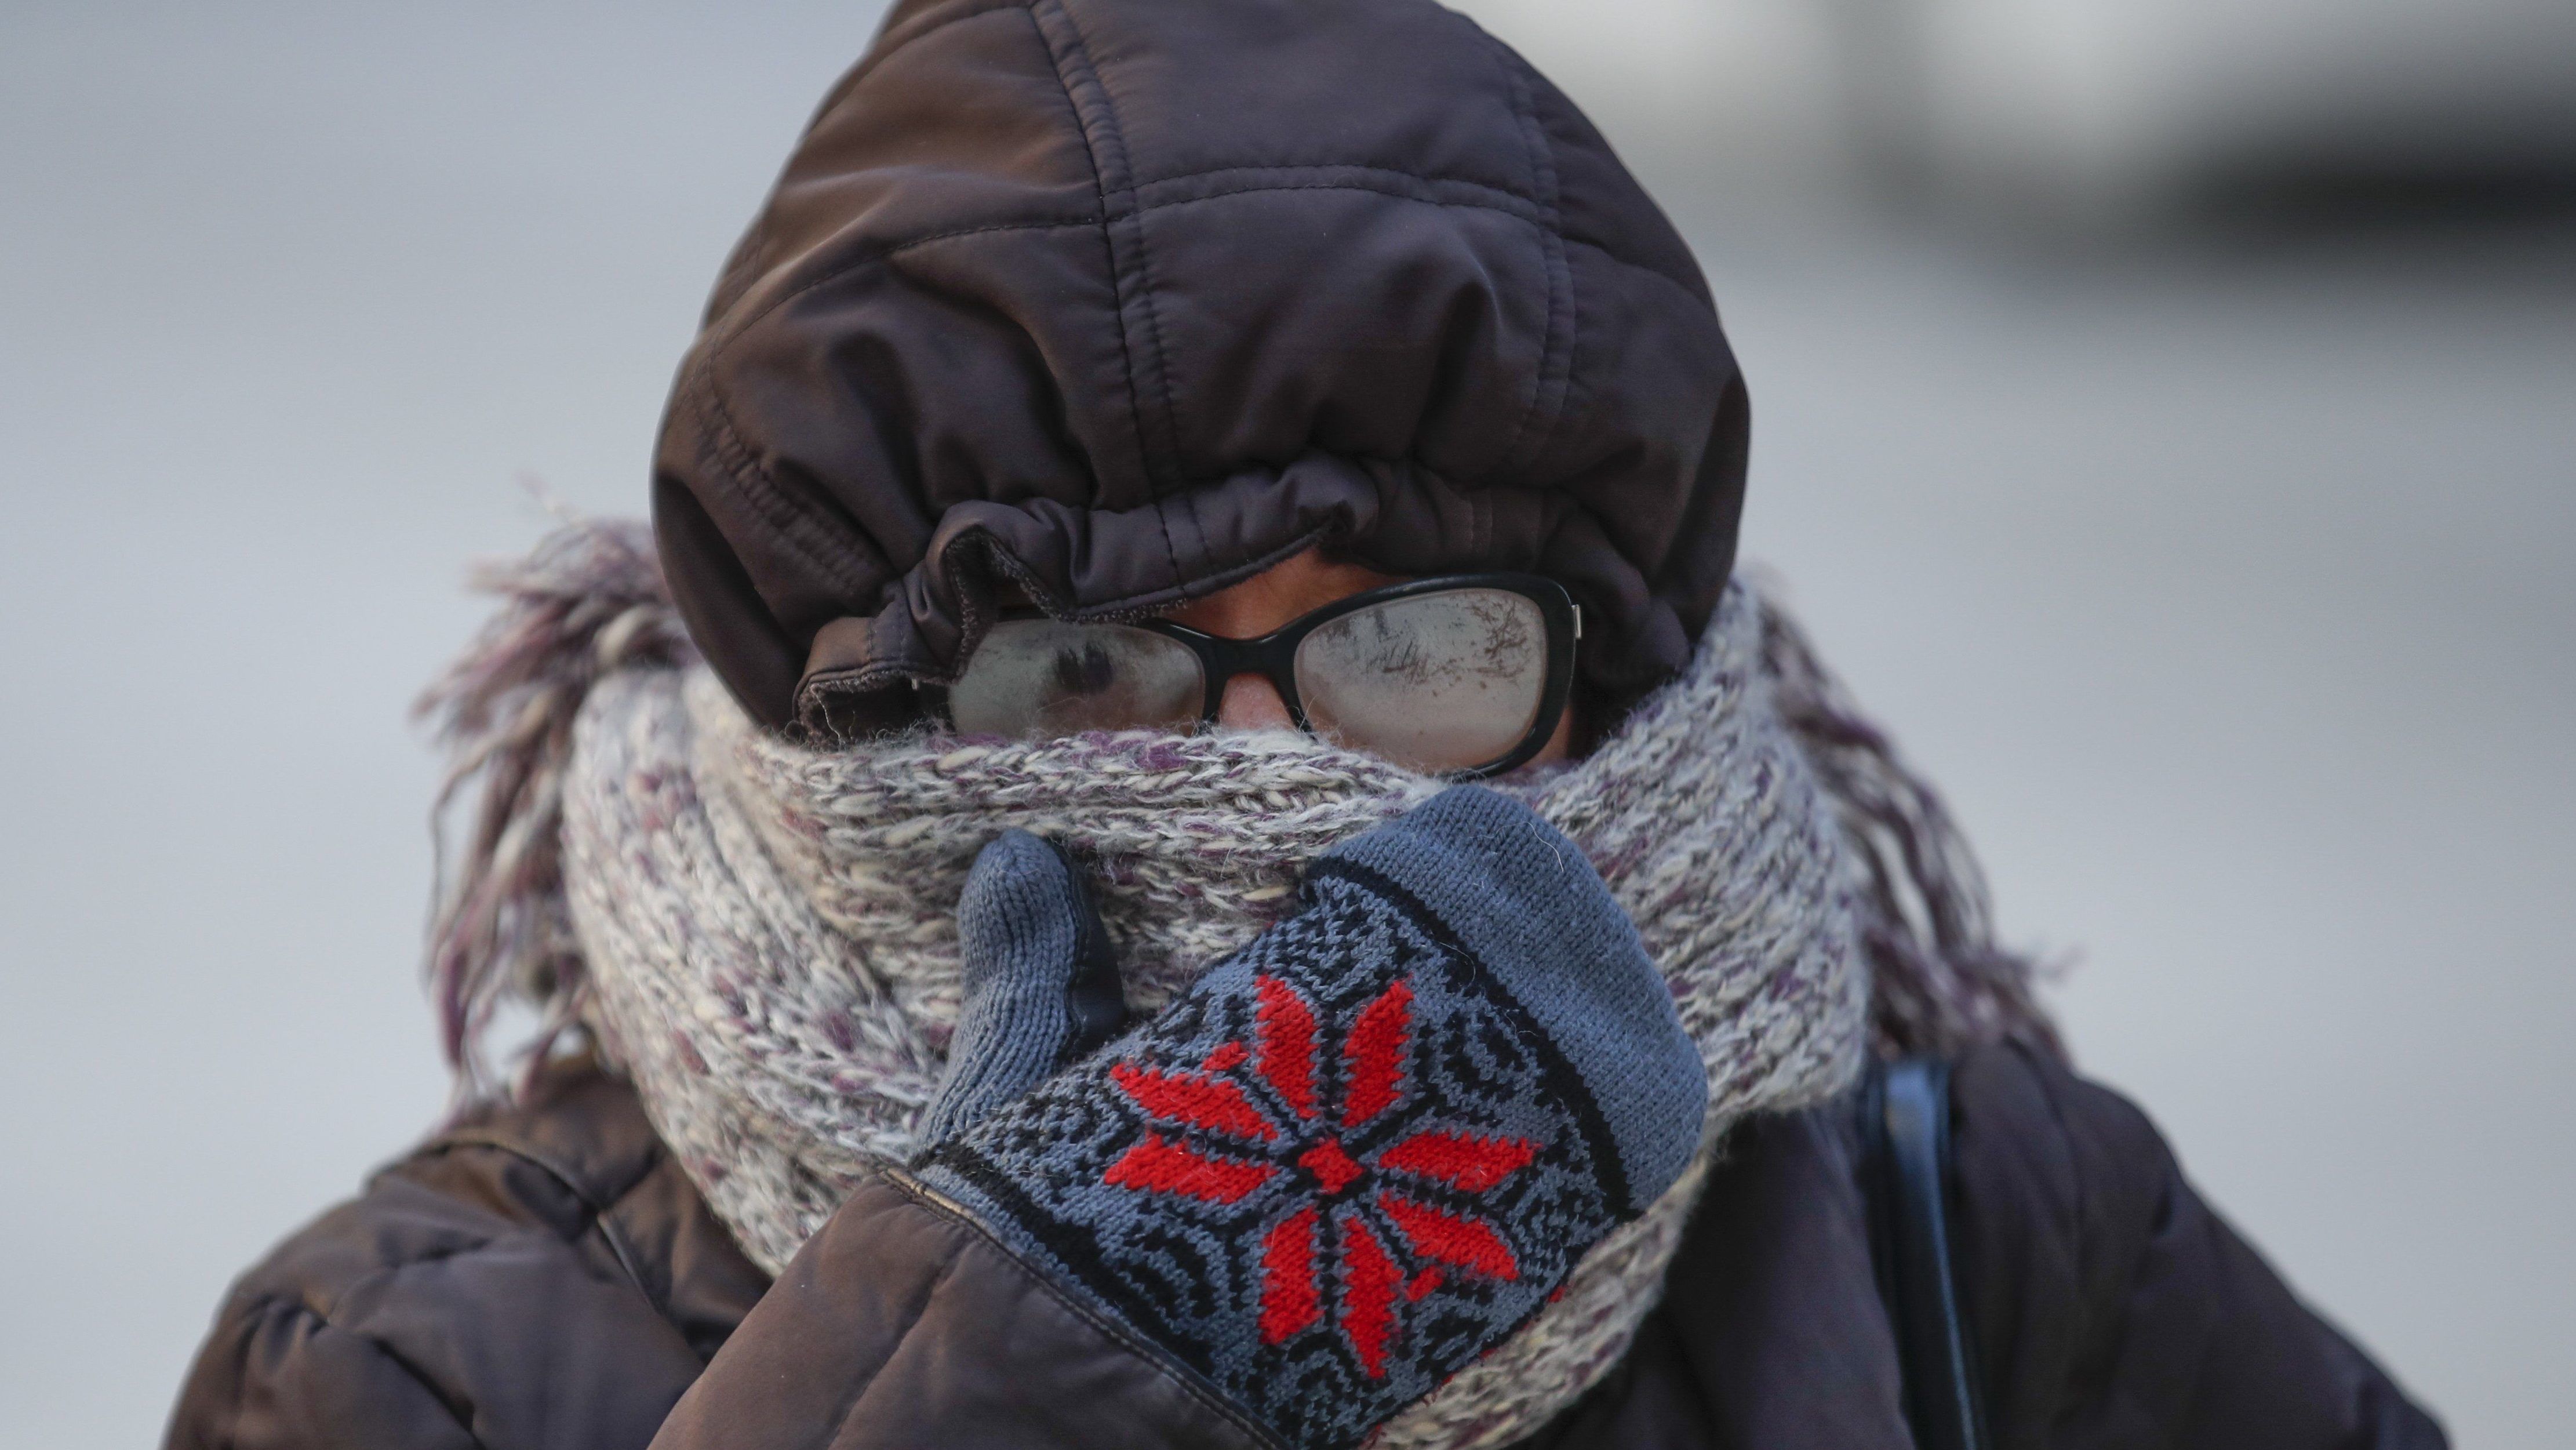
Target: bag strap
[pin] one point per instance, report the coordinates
(1905, 1128)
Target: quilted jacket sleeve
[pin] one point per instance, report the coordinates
(406, 1352)
(545, 1282)
(2111, 1306)
(902, 1325)
(411, 1320)
(278, 1375)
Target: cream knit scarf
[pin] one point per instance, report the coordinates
(761, 935)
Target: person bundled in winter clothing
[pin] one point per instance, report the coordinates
(1181, 835)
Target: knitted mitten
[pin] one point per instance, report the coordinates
(1363, 1150)
(1041, 987)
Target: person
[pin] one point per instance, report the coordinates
(1182, 835)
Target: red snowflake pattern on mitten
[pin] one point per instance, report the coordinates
(1240, 1147)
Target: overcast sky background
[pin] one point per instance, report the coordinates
(2222, 575)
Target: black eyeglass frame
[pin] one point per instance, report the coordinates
(1274, 655)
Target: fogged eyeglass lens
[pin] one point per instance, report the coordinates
(1042, 677)
(1444, 681)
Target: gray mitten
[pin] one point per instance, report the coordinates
(1363, 1150)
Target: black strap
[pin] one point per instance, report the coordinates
(1906, 1131)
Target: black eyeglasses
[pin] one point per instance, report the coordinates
(1465, 675)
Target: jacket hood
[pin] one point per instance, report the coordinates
(1108, 304)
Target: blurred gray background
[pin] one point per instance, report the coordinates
(2165, 417)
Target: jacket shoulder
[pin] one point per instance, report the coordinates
(544, 1268)
(2110, 1304)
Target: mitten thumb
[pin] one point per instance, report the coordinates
(1041, 986)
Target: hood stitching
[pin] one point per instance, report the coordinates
(1350, 172)
(1555, 360)
(758, 489)
(1066, 53)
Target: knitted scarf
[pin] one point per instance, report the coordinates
(760, 935)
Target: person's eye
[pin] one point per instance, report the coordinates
(1085, 669)
(1038, 677)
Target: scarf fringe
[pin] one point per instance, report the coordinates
(590, 600)
(1939, 978)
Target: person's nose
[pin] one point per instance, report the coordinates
(1252, 703)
